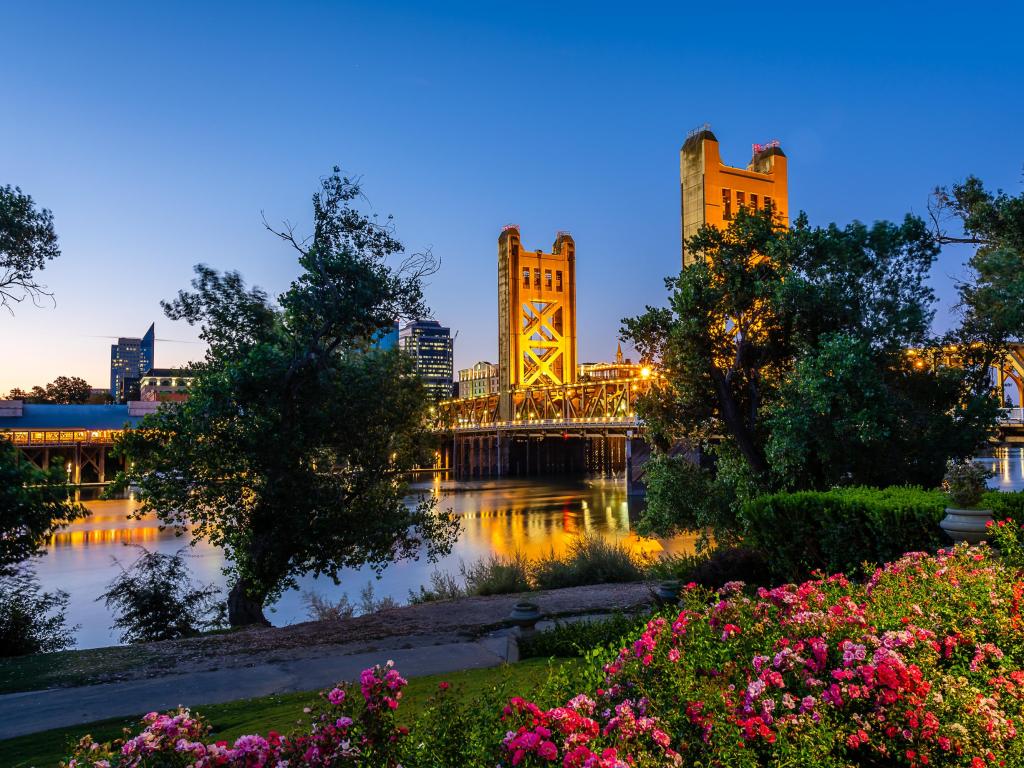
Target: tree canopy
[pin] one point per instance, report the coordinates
(292, 450)
(803, 358)
(63, 390)
(27, 242)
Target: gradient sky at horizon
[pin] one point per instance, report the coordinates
(157, 133)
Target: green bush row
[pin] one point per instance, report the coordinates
(843, 529)
(576, 638)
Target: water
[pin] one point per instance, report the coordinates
(498, 517)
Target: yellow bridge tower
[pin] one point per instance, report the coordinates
(536, 315)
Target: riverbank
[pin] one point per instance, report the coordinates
(465, 621)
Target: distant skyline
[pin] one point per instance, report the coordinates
(158, 133)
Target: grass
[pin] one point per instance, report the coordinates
(280, 712)
(48, 670)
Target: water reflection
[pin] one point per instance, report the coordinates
(1008, 465)
(498, 517)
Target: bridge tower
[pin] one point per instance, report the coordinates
(712, 192)
(536, 316)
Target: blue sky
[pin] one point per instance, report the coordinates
(157, 133)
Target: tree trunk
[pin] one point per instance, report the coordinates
(243, 608)
(733, 421)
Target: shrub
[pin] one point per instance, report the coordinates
(588, 559)
(1005, 505)
(31, 621)
(575, 638)
(320, 608)
(155, 599)
(498, 575)
(837, 531)
(443, 586)
(964, 482)
(369, 604)
(714, 569)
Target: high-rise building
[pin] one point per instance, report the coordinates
(481, 379)
(130, 359)
(431, 346)
(712, 192)
(536, 315)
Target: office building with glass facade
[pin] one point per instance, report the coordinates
(130, 359)
(432, 348)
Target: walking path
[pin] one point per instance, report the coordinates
(33, 711)
(433, 638)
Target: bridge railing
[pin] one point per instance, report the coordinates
(602, 401)
(1012, 416)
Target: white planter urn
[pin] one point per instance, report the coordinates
(966, 524)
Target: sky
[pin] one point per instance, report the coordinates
(158, 133)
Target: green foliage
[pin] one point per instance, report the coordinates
(838, 531)
(577, 638)
(683, 497)
(154, 598)
(63, 390)
(31, 621)
(786, 349)
(1004, 505)
(27, 242)
(588, 559)
(993, 299)
(713, 569)
(293, 449)
(33, 505)
(965, 483)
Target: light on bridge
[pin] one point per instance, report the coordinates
(645, 372)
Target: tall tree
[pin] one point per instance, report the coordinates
(992, 299)
(27, 242)
(68, 390)
(786, 354)
(292, 450)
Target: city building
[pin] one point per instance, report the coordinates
(130, 358)
(536, 315)
(712, 192)
(622, 368)
(387, 339)
(165, 385)
(481, 379)
(432, 348)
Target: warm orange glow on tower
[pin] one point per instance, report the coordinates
(536, 314)
(712, 192)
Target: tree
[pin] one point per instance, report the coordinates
(292, 450)
(32, 621)
(27, 242)
(992, 300)
(786, 356)
(68, 390)
(155, 599)
(33, 506)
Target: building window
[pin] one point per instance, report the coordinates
(547, 279)
(753, 201)
(536, 277)
(727, 204)
(741, 200)
(558, 280)
(526, 277)
(767, 203)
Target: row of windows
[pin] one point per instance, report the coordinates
(547, 278)
(766, 203)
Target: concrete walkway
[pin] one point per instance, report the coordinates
(33, 711)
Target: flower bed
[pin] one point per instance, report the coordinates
(921, 665)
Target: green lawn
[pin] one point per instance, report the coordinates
(48, 748)
(52, 670)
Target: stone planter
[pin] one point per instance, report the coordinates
(966, 524)
(667, 592)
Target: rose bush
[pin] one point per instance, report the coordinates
(922, 664)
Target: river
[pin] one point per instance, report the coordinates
(498, 517)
